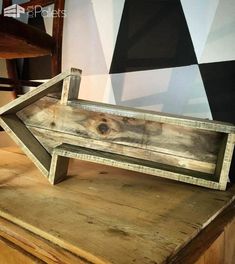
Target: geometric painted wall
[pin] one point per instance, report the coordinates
(171, 56)
(175, 56)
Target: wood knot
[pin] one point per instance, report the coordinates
(103, 128)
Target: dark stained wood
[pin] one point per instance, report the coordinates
(21, 82)
(13, 74)
(215, 253)
(229, 245)
(20, 40)
(6, 3)
(7, 89)
(57, 34)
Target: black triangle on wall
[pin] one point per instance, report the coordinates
(219, 83)
(153, 34)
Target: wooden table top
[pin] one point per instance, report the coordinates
(105, 214)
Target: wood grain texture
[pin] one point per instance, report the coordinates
(224, 160)
(229, 245)
(59, 167)
(205, 240)
(105, 214)
(57, 33)
(51, 139)
(215, 253)
(20, 40)
(163, 143)
(11, 254)
(35, 245)
(70, 89)
(52, 86)
(184, 121)
(201, 260)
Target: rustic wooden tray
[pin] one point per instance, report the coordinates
(51, 125)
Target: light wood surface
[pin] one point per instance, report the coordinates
(105, 214)
(11, 254)
(21, 240)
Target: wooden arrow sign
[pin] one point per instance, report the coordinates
(51, 125)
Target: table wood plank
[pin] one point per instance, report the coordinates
(106, 214)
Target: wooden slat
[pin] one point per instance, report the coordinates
(57, 33)
(11, 254)
(224, 160)
(58, 169)
(51, 139)
(27, 142)
(163, 143)
(70, 90)
(124, 162)
(53, 85)
(13, 74)
(108, 215)
(35, 245)
(20, 40)
(158, 117)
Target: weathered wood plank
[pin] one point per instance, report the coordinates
(70, 88)
(11, 254)
(59, 168)
(224, 160)
(162, 142)
(193, 122)
(27, 142)
(144, 219)
(53, 85)
(35, 245)
(143, 166)
(51, 139)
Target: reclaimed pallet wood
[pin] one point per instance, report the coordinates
(51, 125)
(146, 220)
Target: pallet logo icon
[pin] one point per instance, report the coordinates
(14, 11)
